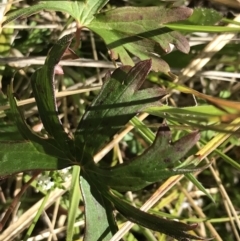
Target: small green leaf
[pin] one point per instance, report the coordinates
(158, 162)
(5, 42)
(118, 101)
(87, 10)
(140, 31)
(99, 220)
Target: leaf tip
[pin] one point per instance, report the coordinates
(146, 63)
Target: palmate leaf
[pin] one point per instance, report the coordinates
(140, 31)
(158, 162)
(82, 11)
(136, 30)
(118, 101)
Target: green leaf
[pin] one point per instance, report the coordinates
(140, 31)
(174, 229)
(38, 153)
(9, 132)
(158, 162)
(35, 156)
(37, 216)
(99, 219)
(204, 111)
(81, 11)
(41, 144)
(197, 28)
(5, 43)
(203, 16)
(202, 117)
(87, 10)
(146, 133)
(118, 101)
(74, 199)
(226, 158)
(44, 92)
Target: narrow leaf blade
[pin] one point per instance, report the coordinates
(74, 202)
(99, 219)
(174, 229)
(43, 88)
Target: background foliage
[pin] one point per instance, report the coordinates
(23, 47)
